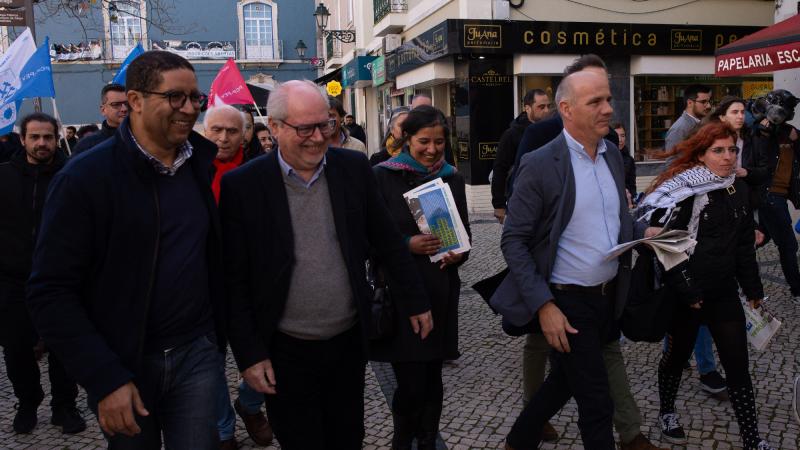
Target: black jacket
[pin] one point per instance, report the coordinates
(10, 147)
(105, 132)
(630, 171)
(725, 256)
(506, 154)
(755, 161)
(259, 248)
(442, 286)
(767, 143)
(95, 260)
(23, 187)
(357, 131)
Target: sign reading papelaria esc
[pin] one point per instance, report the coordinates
(461, 36)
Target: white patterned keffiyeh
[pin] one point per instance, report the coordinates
(695, 181)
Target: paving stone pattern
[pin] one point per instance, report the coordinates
(483, 388)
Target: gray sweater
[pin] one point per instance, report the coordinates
(679, 130)
(320, 304)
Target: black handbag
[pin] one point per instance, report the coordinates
(382, 314)
(648, 312)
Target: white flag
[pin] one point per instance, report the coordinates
(11, 64)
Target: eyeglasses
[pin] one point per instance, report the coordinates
(178, 98)
(118, 105)
(326, 128)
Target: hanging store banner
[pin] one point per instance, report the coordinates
(198, 49)
(358, 72)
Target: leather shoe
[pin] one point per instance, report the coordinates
(639, 443)
(229, 444)
(549, 433)
(256, 424)
(25, 420)
(69, 419)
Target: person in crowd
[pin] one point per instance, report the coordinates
(124, 287)
(356, 130)
(779, 147)
(627, 159)
(697, 104)
(536, 107)
(627, 419)
(308, 215)
(252, 146)
(70, 139)
(392, 143)
(559, 267)
(23, 186)
(417, 364)
(750, 163)
(10, 144)
(420, 99)
(87, 130)
(341, 137)
(264, 137)
(224, 126)
(114, 109)
(699, 191)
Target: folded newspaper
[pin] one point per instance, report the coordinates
(670, 247)
(434, 209)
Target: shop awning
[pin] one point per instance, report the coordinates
(776, 47)
(330, 76)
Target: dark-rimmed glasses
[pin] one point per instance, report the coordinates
(178, 98)
(118, 105)
(326, 128)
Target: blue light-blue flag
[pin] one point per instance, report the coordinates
(36, 77)
(8, 117)
(119, 78)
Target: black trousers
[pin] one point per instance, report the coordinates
(18, 337)
(319, 402)
(581, 374)
(418, 383)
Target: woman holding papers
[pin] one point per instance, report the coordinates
(699, 192)
(417, 363)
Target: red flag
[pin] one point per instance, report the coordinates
(229, 87)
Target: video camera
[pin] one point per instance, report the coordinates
(777, 107)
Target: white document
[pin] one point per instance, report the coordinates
(434, 209)
(670, 247)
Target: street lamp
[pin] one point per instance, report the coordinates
(301, 48)
(321, 15)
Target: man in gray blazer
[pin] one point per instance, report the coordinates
(568, 209)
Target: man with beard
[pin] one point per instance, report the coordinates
(23, 187)
(123, 288)
(697, 98)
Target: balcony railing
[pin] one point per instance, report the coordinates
(333, 47)
(383, 8)
(100, 50)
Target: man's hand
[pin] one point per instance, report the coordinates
(422, 324)
(652, 231)
(261, 377)
(450, 258)
(741, 172)
(424, 244)
(555, 327)
(115, 412)
(759, 238)
(755, 303)
(500, 215)
(696, 305)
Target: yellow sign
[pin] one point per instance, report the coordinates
(334, 88)
(753, 89)
(487, 150)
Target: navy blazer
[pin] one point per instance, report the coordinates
(538, 212)
(259, 246)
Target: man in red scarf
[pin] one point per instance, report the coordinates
(224, 126)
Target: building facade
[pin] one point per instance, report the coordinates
(88, 45)
(477, 58)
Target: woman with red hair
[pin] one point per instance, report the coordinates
(699, 192)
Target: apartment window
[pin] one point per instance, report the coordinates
(124, 26)
(258, 29)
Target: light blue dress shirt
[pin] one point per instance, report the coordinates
(594, 226)
(291, 173)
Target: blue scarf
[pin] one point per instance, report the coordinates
(405, 162)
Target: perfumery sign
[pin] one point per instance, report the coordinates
(483, 36)
(691, 40)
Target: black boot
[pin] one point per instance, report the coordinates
(429, 426)
(405, 427)
(25, 420)
(69, 419)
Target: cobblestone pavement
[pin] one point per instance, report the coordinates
(483, 388)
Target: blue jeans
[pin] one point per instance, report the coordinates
(250, 399)
(703, 351)
(773, 213)
(178, 389)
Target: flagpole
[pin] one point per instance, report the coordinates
(259, 112)
(63, 129)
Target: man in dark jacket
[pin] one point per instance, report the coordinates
(124, 287)
(114, 108)
(23, 186)
(299, 223)
(536, 106)
(356, 130)
(68, 139)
